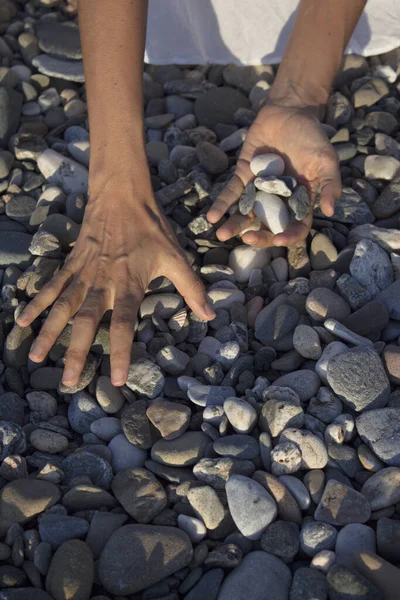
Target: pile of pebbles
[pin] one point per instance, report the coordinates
(259, 451)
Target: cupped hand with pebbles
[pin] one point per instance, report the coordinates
(289, 127)
(125, 240)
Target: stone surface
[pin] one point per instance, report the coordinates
(251, 506)
(341, 505)
(271, 211)
(140, 493)
(380, 430)
(71, 572)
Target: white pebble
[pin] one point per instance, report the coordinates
(63, 171)
(271, 211)
(264, 165)
(323, 561)
(244, 259)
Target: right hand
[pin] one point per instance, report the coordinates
(123, 245)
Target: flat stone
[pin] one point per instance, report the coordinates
(125, 454)
(341, 505)
(109, 396)
(102, 526)
(353, 292)
(59, 39)
(145, 378)
(322, 253)
(380, 429)
(140, 493)
(259, 571)
(237, 446)
(371, 267)
(381, 167)
(277, 415)
(170, 418)
(138, 556)
(273, 185)
(56, 529)
(307, 343)
(353, 539)
(305, 383)
(388, 239)
(164, 305)
(187, 450)
(71, 568)
(288, 509)
(14, 249)
(70, 70)
(88, 497)
(23, 499)
(382, 489)
(299, 203)
(135, 424)
(323, 304)
(83, 411)
(275, 321)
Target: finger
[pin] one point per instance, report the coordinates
(294, 233)
(83, 331)
(258, 239)
(64, 308)
(232, 191)
(190, 287)
(44, 298)
(330, 184)
(122, 328)
(382, 574)
(234, 226)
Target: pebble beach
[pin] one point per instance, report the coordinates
(250, 457)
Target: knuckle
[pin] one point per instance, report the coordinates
(63, 305)
(122, 321)
(76, 354)
(86, 317)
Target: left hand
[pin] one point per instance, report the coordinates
(297, 135)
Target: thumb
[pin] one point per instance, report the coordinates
(330, 186)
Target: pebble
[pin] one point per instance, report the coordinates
(323, 253)
(353, 539)
(241, 415)
(172, 360)
(341, 505)
(72, 565)
(247, 199)
(146, 378)
(271, 211)
(274, 322)
(323, 561)
(195, 528)
(298, 489)
(382, 489)
(258, 571)
(130, 560)
(187, 450)
(277, 415)
(387, 535)
(83, 411)
(251, 506)
(125, 454)
(285, 458)
(281, 539)
(265, 165)
(308, 584)
(305, 383)
(48, 441)
(380, 430)
(140, 493)
(108, 396)
(381, 167)
(55, 529)
(316, 536)
(62, 171)
(346, 584)
(299, 203)
(170, 418)
(273, 185)
(244, 259)
(323, 304)
(307, 343)
(359, 379)
(371, 267)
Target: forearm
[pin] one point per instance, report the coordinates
(314, 52)
(113, 38)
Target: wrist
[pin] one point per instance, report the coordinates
(297, 95)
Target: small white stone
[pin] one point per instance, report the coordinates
(62, 171)
(298, 489)
(273, 185)
(271, 211)
(323, 561)
(241, 415)
(264, 165)
(244, 259)
(195, 528)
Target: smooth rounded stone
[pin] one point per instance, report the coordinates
(322, 304)
(387, 537)
(237, 446)
(212, 159)
(264, 165)
(42, 404)
(224, 297)
(381, 167)
(271, 211)
(187, 450)
(371, 267)
(140, 493)
(208, 586)
(347, 584)
(12, 408)
(108, 395)
(277, 415)
(88, 497)
(84, 462)
(382, 489)
(59, 39)
(281, 539)
(207, 506)
(308, 584)
(102, 526)
(135, 424)
(70, 70)
(172, 360)
(305, 383)
(71, 572)
(246, 200)
(323, 561)
(322, 253)
(359, 379)
(241, 415)
(106, 428)
(170, 418)
(146, 378)
(125, 454)
(6, 162)
(244, 259)
(209, 395)
(11, 576)
(48, 441)
(313, 451)
(288, 509)
(298, 489)
(80, 151)
(315, 483)
(341, 505)
(83, 411)
(307, 343)
(285, 459)
(356, 295)
(325, 406)
(251, 506)
(259, 571)
(275, 321)
(219, 105)
(138, 556)
(369, 461)
(63, 171)
(391, 359)
(216, 471)
(353, 539)
(26, 593)
(14, 249)
(194, 528)
(316, 536)
(55, 529)
(299, 203)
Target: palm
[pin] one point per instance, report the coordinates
(297, 136)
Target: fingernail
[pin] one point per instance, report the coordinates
(68, 376)
(209, 311)
(118, 377)
(36, 351)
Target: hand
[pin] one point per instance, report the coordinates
(295, 134)
(118, 252)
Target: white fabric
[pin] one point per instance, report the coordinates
(250, 32)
